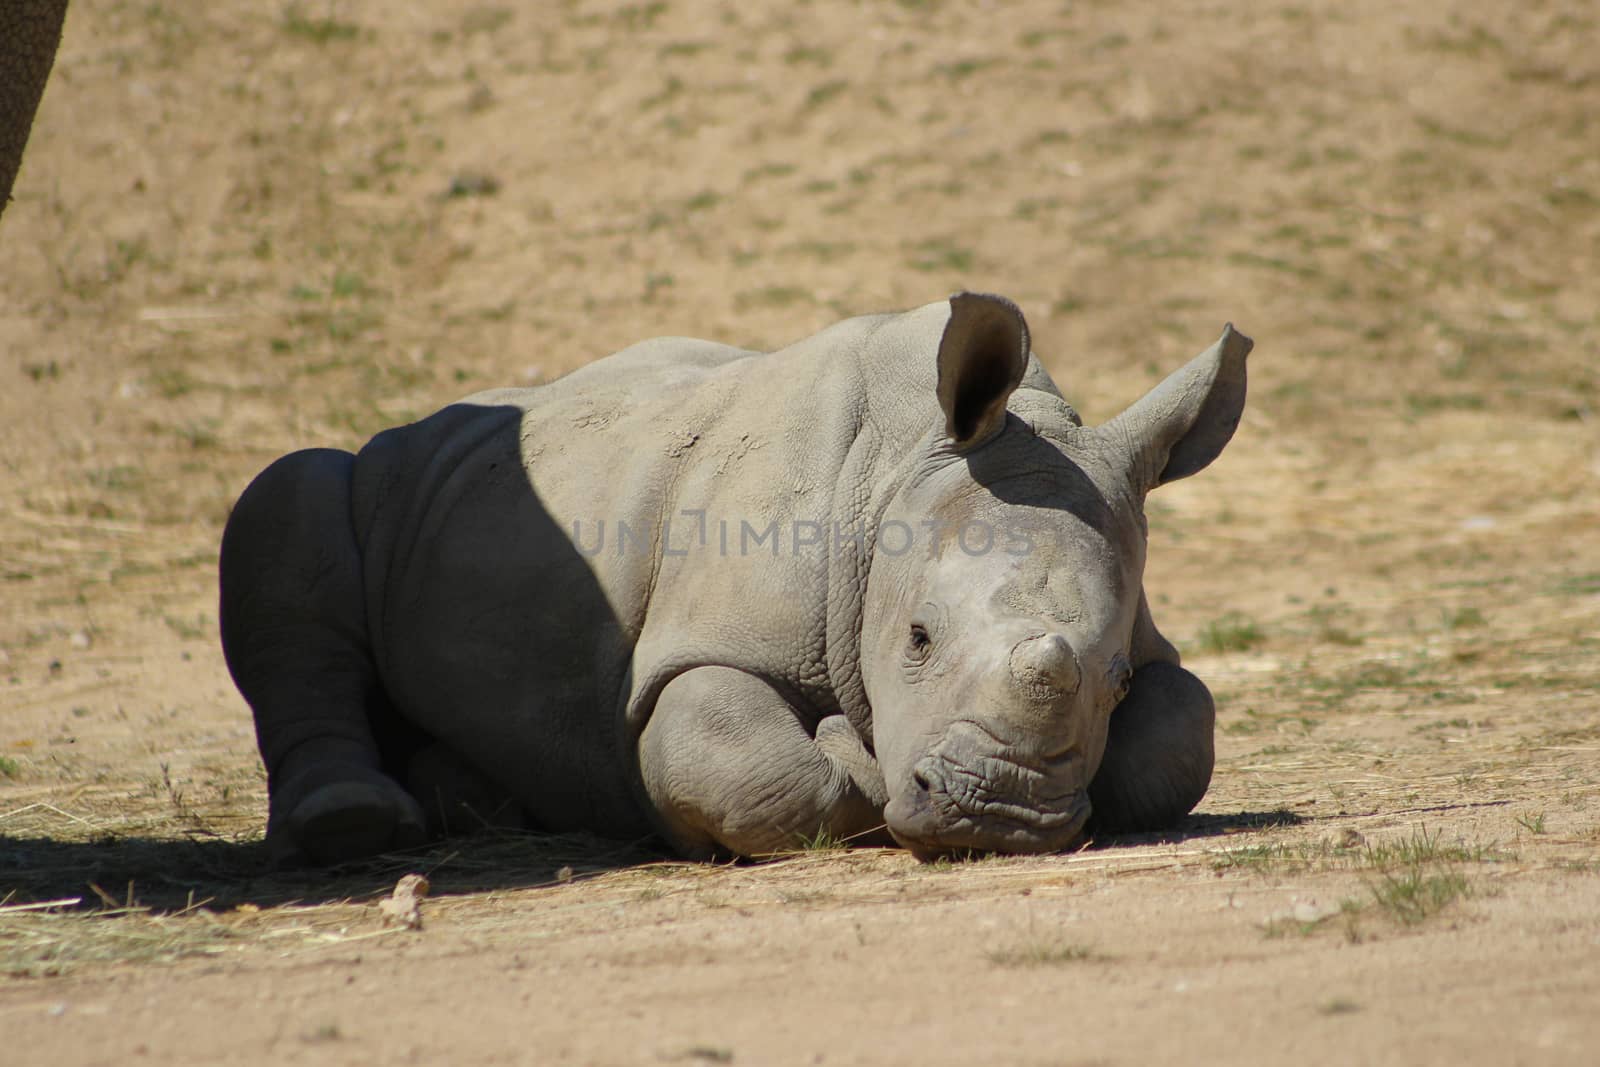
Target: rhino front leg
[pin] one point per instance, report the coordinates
(729, 766)
(294, 633)
(1159, 752)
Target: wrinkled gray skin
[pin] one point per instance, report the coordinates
(438, 632)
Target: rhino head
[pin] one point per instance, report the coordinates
(996, 650)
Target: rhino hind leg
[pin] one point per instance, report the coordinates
(730, 767)
(1159, 752)
(294, 633)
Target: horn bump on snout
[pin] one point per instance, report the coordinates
(1046, 661)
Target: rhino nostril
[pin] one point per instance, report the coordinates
(920, 780)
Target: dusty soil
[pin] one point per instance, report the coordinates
(246, 228)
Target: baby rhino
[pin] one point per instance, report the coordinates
(882, 579)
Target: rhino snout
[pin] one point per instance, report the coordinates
(989, 803)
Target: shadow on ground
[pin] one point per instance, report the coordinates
(171, 875)
(166, 875)
(1196, 827)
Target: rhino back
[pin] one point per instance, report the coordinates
(488, 628)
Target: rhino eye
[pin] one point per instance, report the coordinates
(918, 644)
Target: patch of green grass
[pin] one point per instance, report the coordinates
(1574, 196)
(641, 16)
(821, 94)
(654, 283)
(1413, 894)
(1042, 954)
(1252, 723)
(1424, 848)
(10, 768)
(1035, 38)
(1420, 849)
(1257, 858)
(1475, 40)
(1423, 677)
(128, 253)
(172, 382)
(319, 31)
(486, 19)
(780, 296)
(824, 840)
(322, 1032)
(469, 184)
(704, 200)
(173, 37)
(1533, 823)
(1232, 632)
(669, 91)
(1032, 208)
(118, 479)
(808, 54)
(1578, 585)
(348, 283)
(1469, 138)
(769, 170)
(188, 629)
(823, 251)
(1443, 724)
(963, 68)
(1277, 263)
(1433, 403)
(198, 435)
(1409, 879)
(1327, 630)
(942, 254)
(1160, 246)
(1462, 618)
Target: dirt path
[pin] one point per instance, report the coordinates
(253, 228)
(1152, 957)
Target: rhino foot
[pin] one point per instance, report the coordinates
(337, 813)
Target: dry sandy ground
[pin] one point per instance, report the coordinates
(246, 228)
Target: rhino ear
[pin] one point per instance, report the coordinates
(1182, 424)
(982, 357)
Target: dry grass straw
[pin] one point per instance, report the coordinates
(78, 889)
(41, 941)
(119, 883)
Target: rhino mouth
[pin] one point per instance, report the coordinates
(989, 803)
